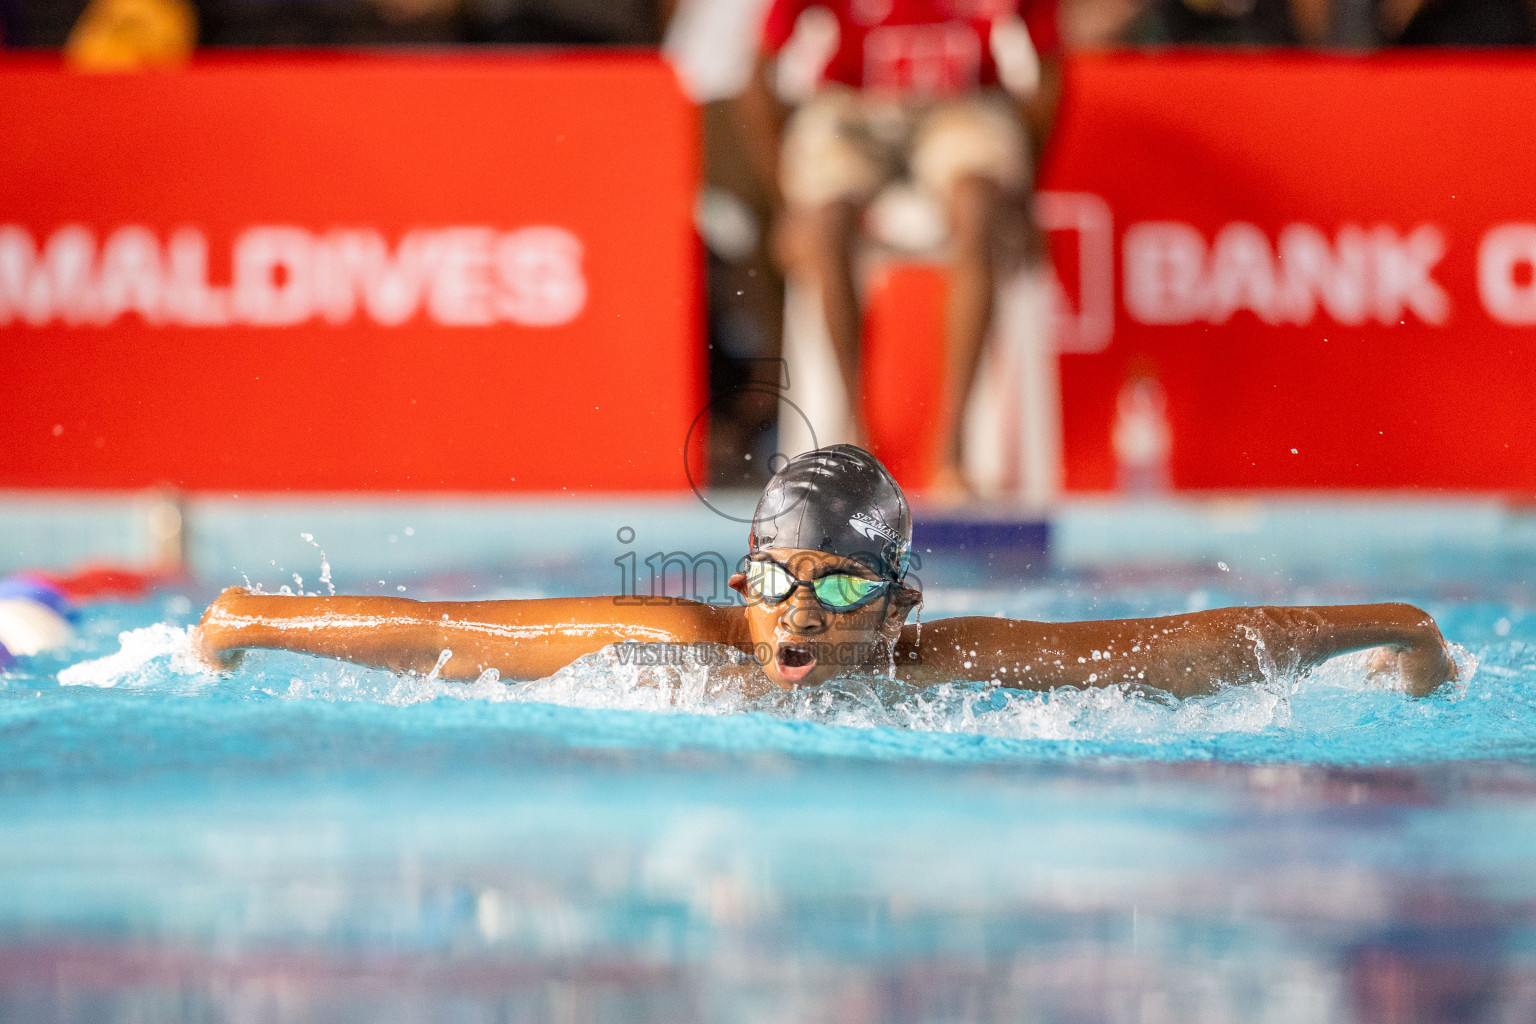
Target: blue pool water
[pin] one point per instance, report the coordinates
(305, 840)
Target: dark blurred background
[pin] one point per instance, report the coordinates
(46, 24)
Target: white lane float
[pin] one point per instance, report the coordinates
(35, 616)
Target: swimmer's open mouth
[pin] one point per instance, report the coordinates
(794, 661)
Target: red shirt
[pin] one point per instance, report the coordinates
(932, 47)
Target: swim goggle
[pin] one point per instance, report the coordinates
(772, 583)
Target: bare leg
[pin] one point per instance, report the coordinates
(833, 229)
(975, 208)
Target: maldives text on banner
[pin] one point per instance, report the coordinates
(349, 273)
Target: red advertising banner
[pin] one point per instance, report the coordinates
(479, 273)
(349, 273)
(1303, 271)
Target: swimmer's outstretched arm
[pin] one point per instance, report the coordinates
(520, 639)
(1182, 654)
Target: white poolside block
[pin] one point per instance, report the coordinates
(1013, 424)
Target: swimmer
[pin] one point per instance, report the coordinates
(826, 594)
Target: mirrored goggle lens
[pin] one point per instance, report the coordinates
(769, 582)
(845, 591)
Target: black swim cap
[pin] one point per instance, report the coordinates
(840, 500)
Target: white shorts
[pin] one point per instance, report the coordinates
(841, 145)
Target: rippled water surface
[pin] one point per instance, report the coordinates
(308, 840)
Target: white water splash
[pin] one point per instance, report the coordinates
(325, 565)
(708, 682)
(1466, 665)
(696, 684)
(703, 680)
(142, 659)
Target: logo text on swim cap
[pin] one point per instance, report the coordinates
(873, 527)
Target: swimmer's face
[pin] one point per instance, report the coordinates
(801, 642)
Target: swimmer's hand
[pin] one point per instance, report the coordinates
(212, 640)
(1407, 638)
(1423, 665)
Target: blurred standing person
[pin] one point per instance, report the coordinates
(961, 96)
(712, 43)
